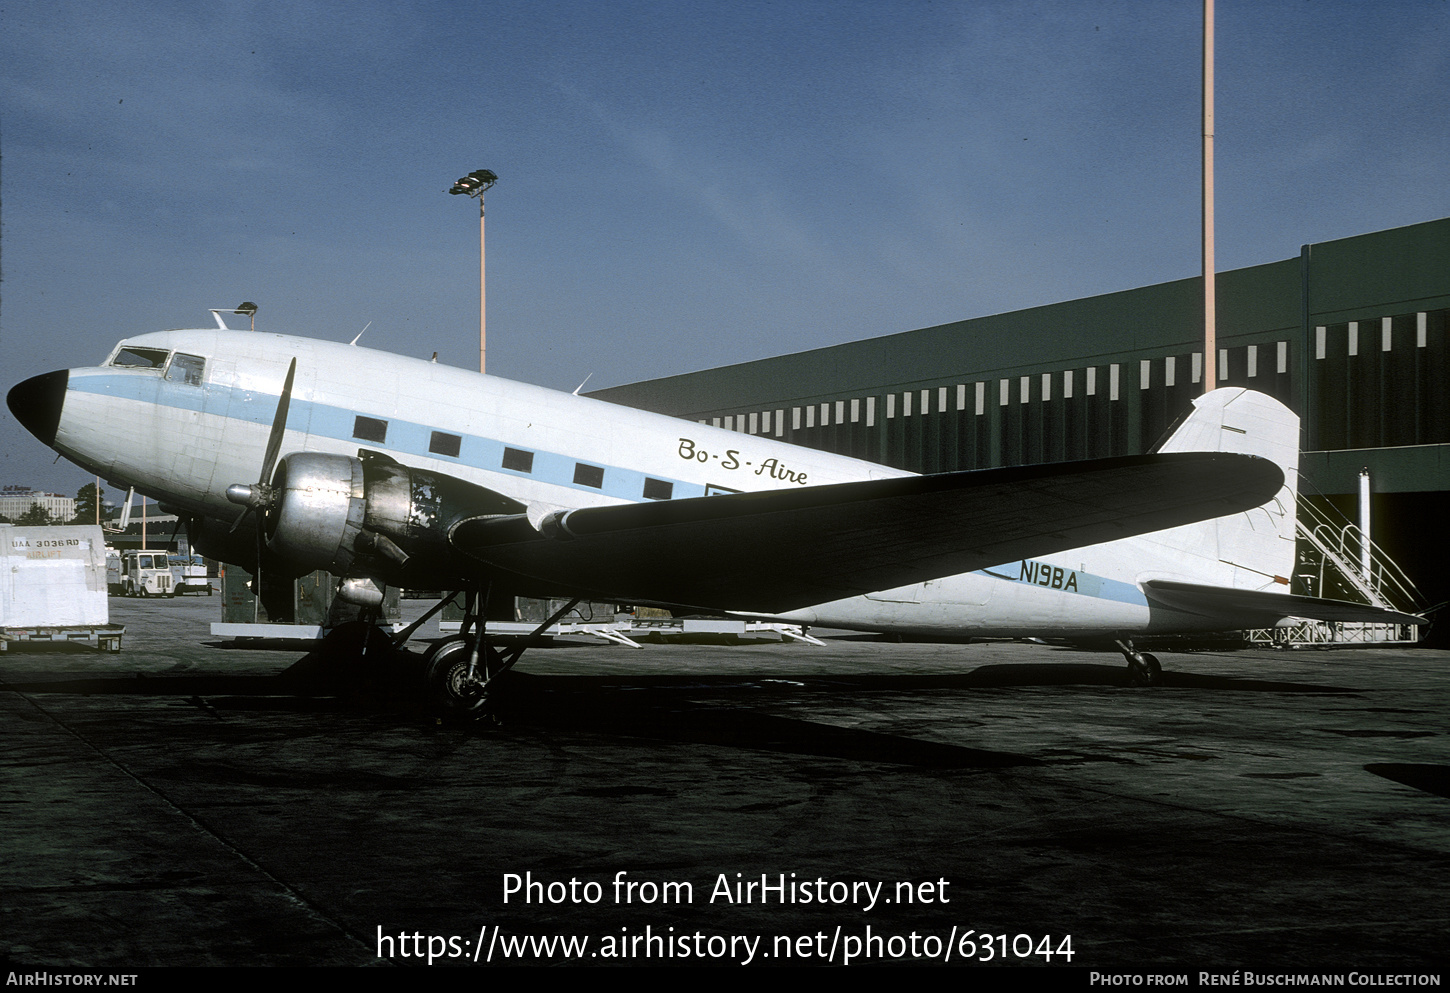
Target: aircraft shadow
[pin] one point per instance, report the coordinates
(721, 710)
(1429, 778)
(657, 708)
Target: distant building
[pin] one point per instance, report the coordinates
(15, 501)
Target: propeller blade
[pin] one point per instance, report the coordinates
(255, 497)
(279, 426)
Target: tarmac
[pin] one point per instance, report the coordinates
(197, 802)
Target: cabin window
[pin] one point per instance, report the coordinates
(141, 358)
(588, 475)
(186, 369)
(518, 460)
(370, 429)
(712, 489)
(444, 444)
(658, 489)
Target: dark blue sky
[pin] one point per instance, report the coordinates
(683, 184)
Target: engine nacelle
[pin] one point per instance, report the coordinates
(371, 515)
(319, 510)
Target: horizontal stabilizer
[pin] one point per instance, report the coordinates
(778, 550)
(1258, 608)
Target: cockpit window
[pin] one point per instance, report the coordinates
(186, 369)
(141, 358)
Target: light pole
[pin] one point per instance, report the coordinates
(475, 184)
(1210, 292)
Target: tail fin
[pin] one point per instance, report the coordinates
(1252, 550)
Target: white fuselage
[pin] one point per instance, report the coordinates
(183, 431)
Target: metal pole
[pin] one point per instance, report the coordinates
(483, 295)
(1210, 317)
(1364, 523)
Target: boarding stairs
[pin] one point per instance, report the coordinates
(1334, 559)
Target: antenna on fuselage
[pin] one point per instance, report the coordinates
(581, 385)
(247, 309)
(361, 333)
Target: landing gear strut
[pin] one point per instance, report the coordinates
(459, 672)
(1143, 669)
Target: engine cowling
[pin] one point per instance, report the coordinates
(319, 508)
(371, 515)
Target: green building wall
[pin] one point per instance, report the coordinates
(1352, 334)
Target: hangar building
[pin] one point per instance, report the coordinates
(1352, 334)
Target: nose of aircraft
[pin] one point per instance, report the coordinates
(37, 401)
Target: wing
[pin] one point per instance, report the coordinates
(1257, 608)
(778, 550)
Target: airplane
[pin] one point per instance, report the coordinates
(290, 454)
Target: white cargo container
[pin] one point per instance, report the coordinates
(53, 586)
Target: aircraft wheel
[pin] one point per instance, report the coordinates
(1145, 670)
(446, 674)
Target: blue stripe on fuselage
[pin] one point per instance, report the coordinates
(1045, 575)
(403, 437)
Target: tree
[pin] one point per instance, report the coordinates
(36, 516)
(88, 499)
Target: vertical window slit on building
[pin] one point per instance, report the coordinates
(1113, 372)
(1024, 387)
(1092, 381)
(855, 410)
(1197, 370)
(1385, 325)
(715, 422)
(825, 415)
(1421, 337)
(961, 396)
(811, 416)
(890, 406)
(795, 418)
(1145, 373)
(1321, 335)
(1169, 372)
(1283, 364)
(754, 422)
(1003, 386)
(780, 423)
(840, 411)
(1354, 337)
(1253, 363)
(981, 398)
(1067, 384)
(1046, 387)
(870, 412)
(941, 400)
(925, 402)
(906, 404)
(765, 422)
(1222, 365)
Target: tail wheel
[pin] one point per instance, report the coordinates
(1145, 670)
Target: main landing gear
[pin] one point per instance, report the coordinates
(459, 673)
(1143, 669)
